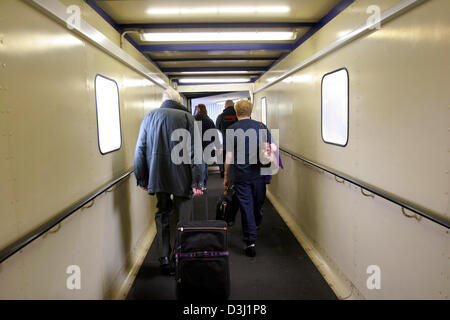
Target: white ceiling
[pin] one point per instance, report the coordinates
(216, 15)
(135, 11)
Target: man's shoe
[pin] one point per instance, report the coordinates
(165, 265)
(250, 251)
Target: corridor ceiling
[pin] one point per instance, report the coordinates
(200, 41)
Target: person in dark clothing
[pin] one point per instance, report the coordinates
(243, 170)
(223, 121)
(157, 173)
(207, 123)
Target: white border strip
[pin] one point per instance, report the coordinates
(392, 12)
(58, 11)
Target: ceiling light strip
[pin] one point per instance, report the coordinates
(222, 25)
(217, 59)
(213, 80)
(216, 47)
(216, 72)
(221, 10)
(218, 36)
(195, 69)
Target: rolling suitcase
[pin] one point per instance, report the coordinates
(202, 270)
(227, 207)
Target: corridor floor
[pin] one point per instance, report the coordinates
(281, 269)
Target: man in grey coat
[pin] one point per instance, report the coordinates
(174, 183)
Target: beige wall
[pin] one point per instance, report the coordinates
(50, 158)
(398, 141)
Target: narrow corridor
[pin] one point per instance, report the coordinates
(281, 269)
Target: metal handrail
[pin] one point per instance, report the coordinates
(403, 203)
(55, 221)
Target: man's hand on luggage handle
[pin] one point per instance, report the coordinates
(226, 183)
(197, 191)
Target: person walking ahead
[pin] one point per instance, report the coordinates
(207, 123)
(158, 174)
(243, 169)
(223, 122)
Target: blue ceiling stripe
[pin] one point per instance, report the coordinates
(208, 83)
(341, 6)
(214, 69)
(104, 15)
(211, 76)
(176, 78)
(215, 59)
(219, 25)
(216, 47)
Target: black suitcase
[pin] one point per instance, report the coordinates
(227, 207)
(202, 270)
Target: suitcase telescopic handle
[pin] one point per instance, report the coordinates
(205, 195)
(196, 201)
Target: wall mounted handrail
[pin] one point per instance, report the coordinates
(55, 221)
(403, 203)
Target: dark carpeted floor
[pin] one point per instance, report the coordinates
(281, 269)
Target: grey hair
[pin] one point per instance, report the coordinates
(171, 94)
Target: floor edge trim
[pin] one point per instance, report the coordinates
(341, 285)
(141, 251)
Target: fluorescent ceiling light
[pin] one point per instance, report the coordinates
(277, 9)
(163, 11)
(218, 36)
(223, 10)
(213, 80)
(198, 11)
(215, 72)
(238, 10)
